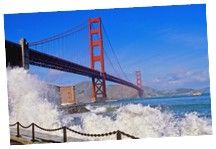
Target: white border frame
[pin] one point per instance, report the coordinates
(24, 6)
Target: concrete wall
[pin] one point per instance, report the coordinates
(67, 95)
(13, 54)
(17, 55)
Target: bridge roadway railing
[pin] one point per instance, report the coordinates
(118, 133)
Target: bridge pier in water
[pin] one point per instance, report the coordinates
(67, 95)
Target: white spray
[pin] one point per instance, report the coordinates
(28, 103)
(145, 121)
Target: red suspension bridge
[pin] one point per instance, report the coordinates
(25, 54)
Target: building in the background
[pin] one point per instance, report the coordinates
(67, 95)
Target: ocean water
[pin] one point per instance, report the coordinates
(179, 106)
(29, 101)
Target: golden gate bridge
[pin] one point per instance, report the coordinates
(25, 54)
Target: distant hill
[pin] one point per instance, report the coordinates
(185, 92)
(205, 90)
(83, 92)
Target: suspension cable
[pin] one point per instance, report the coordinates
(112, 49)
(111, 63)
(60, 35)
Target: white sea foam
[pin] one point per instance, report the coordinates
(96, 109)
(28, 102)
(144, 121)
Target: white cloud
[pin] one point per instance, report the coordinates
(182, 78)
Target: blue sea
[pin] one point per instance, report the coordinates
(179, 105)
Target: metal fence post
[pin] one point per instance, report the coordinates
(33, 132)
(118, 135)
(65, 134)
(18, 130)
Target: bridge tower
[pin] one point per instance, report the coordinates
(139, 79)
(97, 57)
(139, 82)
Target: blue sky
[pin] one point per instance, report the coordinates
(167, 43)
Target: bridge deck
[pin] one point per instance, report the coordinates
(48, 61)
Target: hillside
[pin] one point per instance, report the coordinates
(83, 92)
